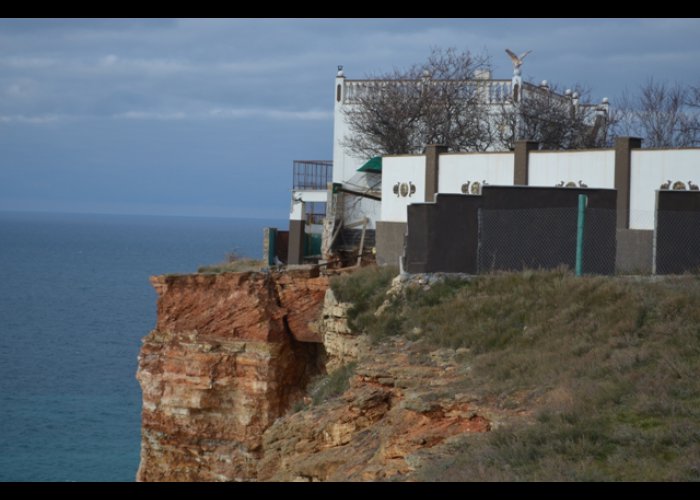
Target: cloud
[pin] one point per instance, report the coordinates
(112, 63)
(151, 115)
(35, 120)
(24, 62)
(271, 114)
(228, 114)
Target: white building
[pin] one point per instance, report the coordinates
(355, 199)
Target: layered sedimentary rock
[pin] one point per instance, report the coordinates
(342, 344)
(232, 353)
(403, 407)
(229, 354)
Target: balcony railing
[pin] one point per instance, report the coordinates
(312, 174)
(490, 91)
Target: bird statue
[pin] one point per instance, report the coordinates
(581, 184)
(666, 185)
(692, 186)
(560, 185)
(517, 60)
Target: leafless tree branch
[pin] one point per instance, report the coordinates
(663, 115)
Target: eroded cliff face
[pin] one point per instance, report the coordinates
(225, 373)
(404, 407)
(229, 354)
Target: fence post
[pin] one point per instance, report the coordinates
(582, 201)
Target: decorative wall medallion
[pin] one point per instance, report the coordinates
(572, 184)
(404, 189)
(473, 187)
(678, 186)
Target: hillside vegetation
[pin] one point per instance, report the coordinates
(601, 373)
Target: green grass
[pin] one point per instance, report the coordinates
(333, 384)
(366, 289)
(607, 367)
(234, 264)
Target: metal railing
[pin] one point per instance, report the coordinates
(312, 174)
(491, 91)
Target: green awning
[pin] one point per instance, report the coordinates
(373, 165)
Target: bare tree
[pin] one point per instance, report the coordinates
(663, 115)
(436, 102)
(446, 101)
(554, 119)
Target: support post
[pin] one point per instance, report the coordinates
(623, 177)
(432, 170)
(521, 161)
(582, 202)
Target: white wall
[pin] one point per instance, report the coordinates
(594, 168)
(456, 169)
(401, 169)
(650, 169)
(344, 165)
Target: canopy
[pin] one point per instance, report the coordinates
(373, 165)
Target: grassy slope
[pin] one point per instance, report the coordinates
(607, 368)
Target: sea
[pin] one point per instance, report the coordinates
(75, 302)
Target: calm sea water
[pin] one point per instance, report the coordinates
(75, 302)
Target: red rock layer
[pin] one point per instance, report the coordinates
(403, 408)
(229, 354)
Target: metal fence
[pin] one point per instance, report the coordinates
(312, 174)
(545, 238)
(677, 242)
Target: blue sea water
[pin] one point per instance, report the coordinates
(75, 301)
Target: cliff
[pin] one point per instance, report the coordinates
(574, 378)
(403, 407)
(229, 354)
(233, 352)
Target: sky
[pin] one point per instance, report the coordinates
(204, 117)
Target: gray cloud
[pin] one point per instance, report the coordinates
(235, 100)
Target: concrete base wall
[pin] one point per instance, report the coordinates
(634, 251)
(390, 242)
(443, 236)
(677, 245)
(295, 251)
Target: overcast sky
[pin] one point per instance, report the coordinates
(204, 117)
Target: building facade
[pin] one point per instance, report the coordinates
(353, 201)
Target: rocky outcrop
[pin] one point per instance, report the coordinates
(342, 344)
(229, 354)
(403, 405)
(232, 353)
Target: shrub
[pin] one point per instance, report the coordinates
(366, 289)
(607, 367)
(332, 385)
